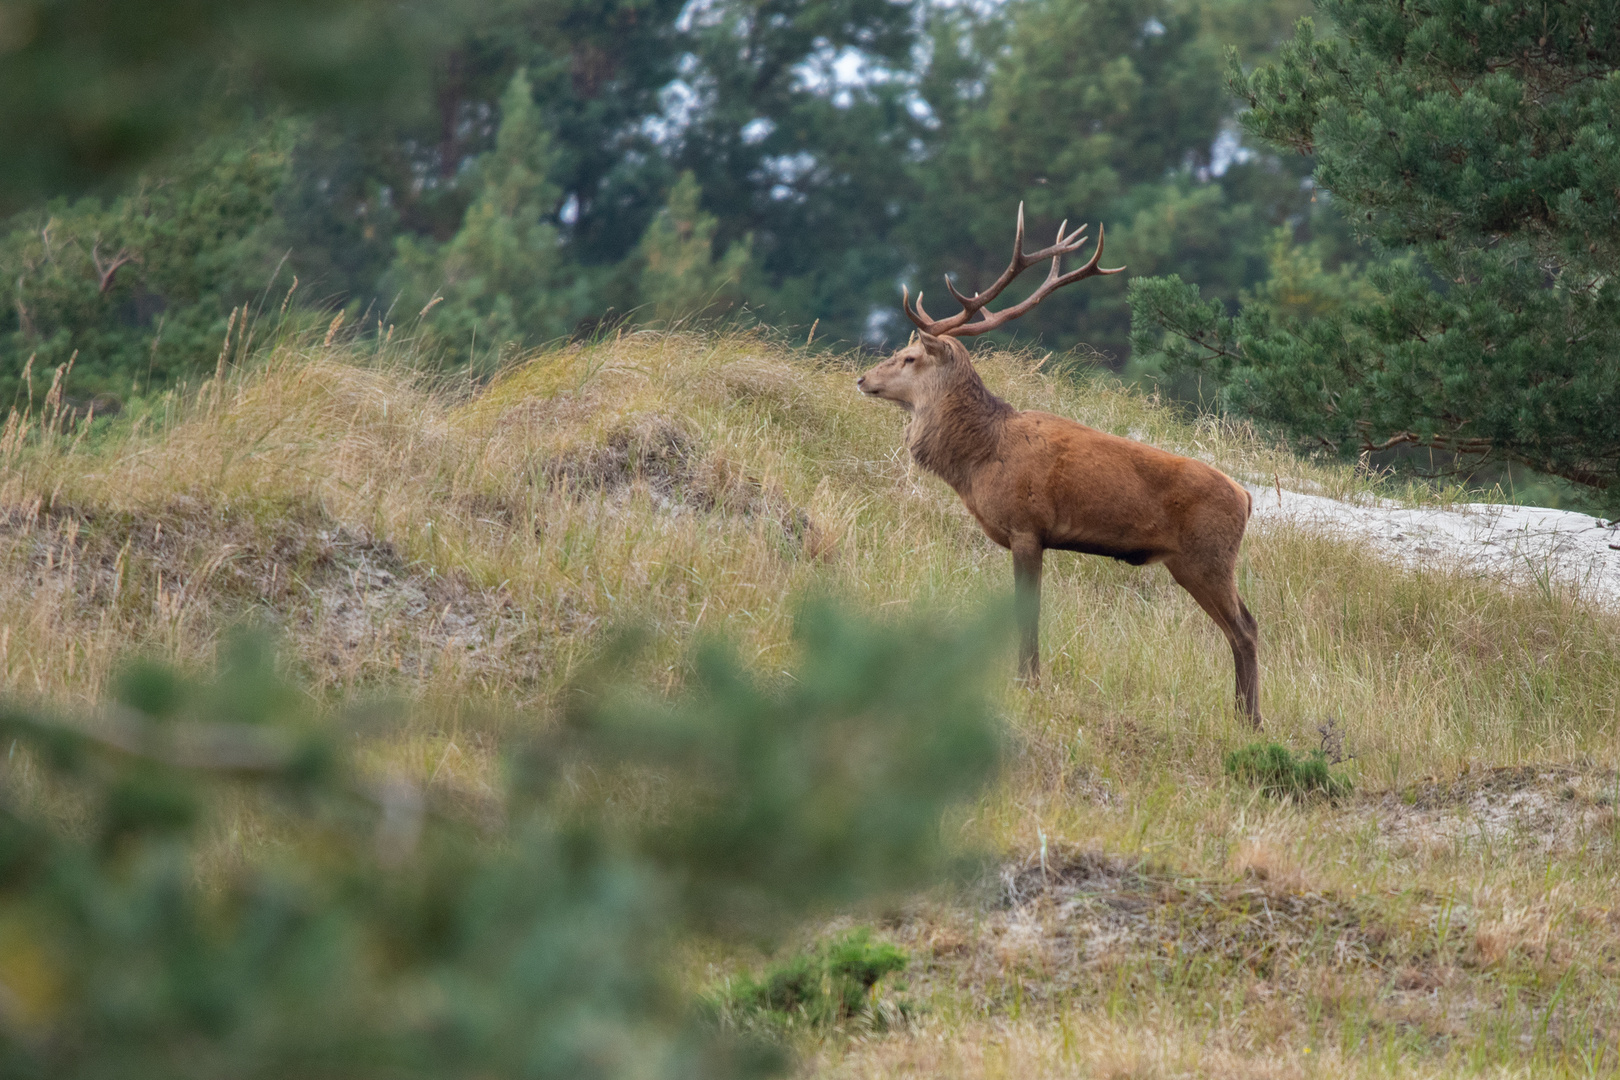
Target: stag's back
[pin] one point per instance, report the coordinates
(1086, 490)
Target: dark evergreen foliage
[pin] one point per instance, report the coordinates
(1475, 145)
(93, 88)
(140, 287)
(788, 160)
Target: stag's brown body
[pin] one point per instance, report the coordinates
(1035, 481)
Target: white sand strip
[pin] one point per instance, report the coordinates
(1526, 545)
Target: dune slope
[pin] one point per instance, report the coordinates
(468, 546)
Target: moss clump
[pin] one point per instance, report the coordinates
(1278, 771)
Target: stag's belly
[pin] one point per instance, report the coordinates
(1130, 550)
(1135, 556)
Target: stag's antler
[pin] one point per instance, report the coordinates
(960, 324)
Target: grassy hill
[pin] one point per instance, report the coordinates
(469, 545)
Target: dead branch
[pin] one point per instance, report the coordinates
(106, 271)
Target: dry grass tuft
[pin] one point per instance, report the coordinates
(1269, 859)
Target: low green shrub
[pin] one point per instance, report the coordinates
(828, 983)
(1278, 771)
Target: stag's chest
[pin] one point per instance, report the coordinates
(995, 494)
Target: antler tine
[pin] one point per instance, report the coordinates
(919, 318)
(905, 306)
(932, 322)
(1091, 267)
(961, 324)
(971, 306)
(1055, 280)
(1065, 244)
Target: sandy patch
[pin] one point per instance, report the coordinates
(1527, 545)
(1542, 809)
(1081, 912)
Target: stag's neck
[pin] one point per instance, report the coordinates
(959, 430)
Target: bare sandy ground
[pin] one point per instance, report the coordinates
(1530, 546)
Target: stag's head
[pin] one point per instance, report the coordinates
(934, 358)
(917, 373)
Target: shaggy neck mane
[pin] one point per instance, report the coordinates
(959, 428)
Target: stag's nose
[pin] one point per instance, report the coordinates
(860, 383)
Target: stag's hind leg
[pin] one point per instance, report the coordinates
(1213, 583)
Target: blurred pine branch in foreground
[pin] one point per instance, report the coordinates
(377, 933)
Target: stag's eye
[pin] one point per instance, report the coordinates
(908, 359)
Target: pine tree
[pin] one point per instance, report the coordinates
(1478, 140)
(680, 276)
(503, 278)
(141, 287)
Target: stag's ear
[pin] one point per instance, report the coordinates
(942, 349)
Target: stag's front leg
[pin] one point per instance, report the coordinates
(1027, 552)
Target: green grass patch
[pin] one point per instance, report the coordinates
(829, 983)
(1278, 771)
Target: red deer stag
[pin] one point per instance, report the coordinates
(1034, 481)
